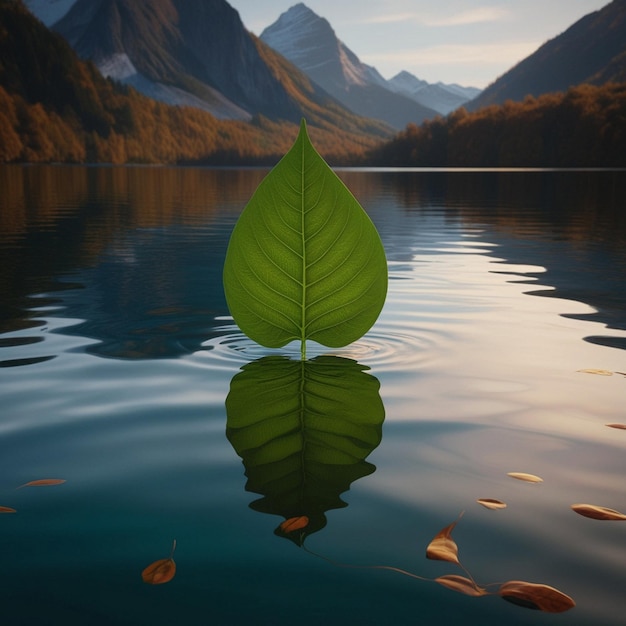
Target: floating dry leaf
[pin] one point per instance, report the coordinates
(620, 426)
(529, 478)
(443, 547)
(536, 596)
(598, 512)
(44, 482)
(596, 371)
(7, 509)
(294, 523)
(490, 503)
(161, 571)
(461, 584)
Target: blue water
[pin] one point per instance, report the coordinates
(118, 355)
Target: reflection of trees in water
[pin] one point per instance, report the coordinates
(146, 244)
(111, 221)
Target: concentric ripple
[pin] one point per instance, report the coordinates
(380, 349)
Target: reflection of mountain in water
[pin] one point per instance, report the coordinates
(303, 430)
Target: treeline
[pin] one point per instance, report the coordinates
(57, 108)
(583, 127)
(131, 129)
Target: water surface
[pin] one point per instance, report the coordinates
(118, 355)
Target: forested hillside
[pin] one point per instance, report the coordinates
(591, 51)
(55, 107)
(583, 127)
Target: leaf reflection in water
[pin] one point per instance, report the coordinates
(303, 430)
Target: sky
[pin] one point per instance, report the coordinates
(468, 42)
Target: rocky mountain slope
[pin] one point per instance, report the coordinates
(311, 44)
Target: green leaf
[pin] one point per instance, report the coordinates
(303, 430)
(304, 260)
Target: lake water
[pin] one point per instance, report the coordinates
(118, 355)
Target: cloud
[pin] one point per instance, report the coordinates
(477, 15)
(391, 18)
(458, 54)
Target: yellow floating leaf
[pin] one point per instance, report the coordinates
(7, 509)
(44, 482)
(161, 571)
(596, 371)
(490, 503)
(294, 523)
(536, 596)
(461, 584)
(598, 512)
(443, 547)
(529, 478)
(620, 426)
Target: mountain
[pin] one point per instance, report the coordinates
(56, 107)
(198, 53)
(441, 97)
(179, 51)
(310, 43)
(593, 50)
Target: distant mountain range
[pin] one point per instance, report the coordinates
(198, 53)
(593, 50)
(310, 43)
(55, 107)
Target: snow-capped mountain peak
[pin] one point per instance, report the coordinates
(310, 42)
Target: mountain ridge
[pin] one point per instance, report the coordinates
(162, 40)
(439, 96)
(310, 43)
(55, 107)
(591, 51)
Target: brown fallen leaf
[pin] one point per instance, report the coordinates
(596, 371)
(536, 596)
(161, 571)
(294, 523)
(44, 482)
(7, 509)
(598, 512)
(461, 584)
(620, 426)
(443, 547)
(529, 478)
(490, 503)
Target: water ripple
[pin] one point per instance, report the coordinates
(380, 349)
